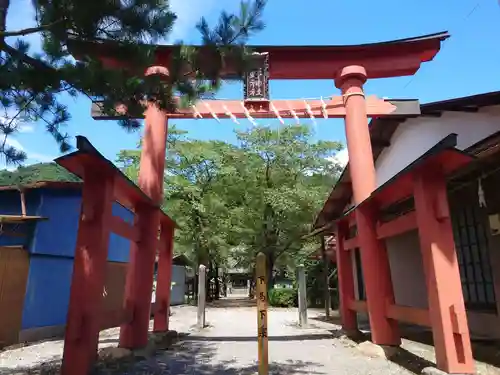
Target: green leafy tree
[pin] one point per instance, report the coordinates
(34, 173)
(32, 83)
(233, 201)
(191, 180)
(282, 178)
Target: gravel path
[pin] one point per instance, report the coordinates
(228, 346)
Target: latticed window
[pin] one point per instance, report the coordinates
(470, 228)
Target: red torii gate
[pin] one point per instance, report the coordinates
(349, 67)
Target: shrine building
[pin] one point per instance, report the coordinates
(461, 138)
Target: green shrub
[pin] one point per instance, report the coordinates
(283, 297)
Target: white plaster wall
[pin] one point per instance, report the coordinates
(415, 136)
(410, 140)
(407, 270)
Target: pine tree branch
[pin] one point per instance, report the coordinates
(29, 30)
(35, 63)
(20, 111)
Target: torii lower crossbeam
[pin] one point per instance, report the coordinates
(334, 108)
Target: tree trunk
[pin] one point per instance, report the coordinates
(270, 267)
(195, 286)
(208, 296)
(4, 7)
(217, 283)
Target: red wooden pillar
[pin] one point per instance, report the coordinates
(83, 321)
(377, 278)
(446, 304)
(164, 278)
(375, 264)
(139, 284)
(345, 279)
(361, 166)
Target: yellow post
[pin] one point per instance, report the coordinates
(261, 290)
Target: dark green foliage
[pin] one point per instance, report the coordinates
(281, 179)
(315, 281)
(283, 297)
(233, 201)
(32, 84)
(35, 173)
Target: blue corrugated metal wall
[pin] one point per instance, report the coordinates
(57, 235)
(47, 291)
(51, 263)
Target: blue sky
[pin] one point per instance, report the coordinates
(467, 64)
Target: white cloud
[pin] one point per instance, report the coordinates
(32, 157)
(40, 158)
(342, 157)
(21, 127)
(14, 143)
(25, 128)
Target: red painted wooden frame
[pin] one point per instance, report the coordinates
(381, 60)
(425, 179)
(400, 187)
(83, 323)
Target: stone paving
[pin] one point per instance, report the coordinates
(228, 346)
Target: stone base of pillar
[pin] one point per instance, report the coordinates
(378, 351)
(435, 371)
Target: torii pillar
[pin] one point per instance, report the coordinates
(139, 283)
(376, 270)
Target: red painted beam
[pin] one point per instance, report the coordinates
(358, 306)
(401, 224)
(381, 60)
(124, 229)
(401, 186)
(351, 243)
(223, 109)
(413, 315)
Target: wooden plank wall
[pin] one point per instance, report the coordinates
(114, 290)
(14, 267)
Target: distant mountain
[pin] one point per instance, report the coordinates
(36, 172)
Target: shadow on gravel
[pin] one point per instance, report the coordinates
(233, 302)
(485, 351)
(309, 337)
(410, 361)
(47, 368)
(191, 357)
(335, 319)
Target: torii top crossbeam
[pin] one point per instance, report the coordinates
(381, 60)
